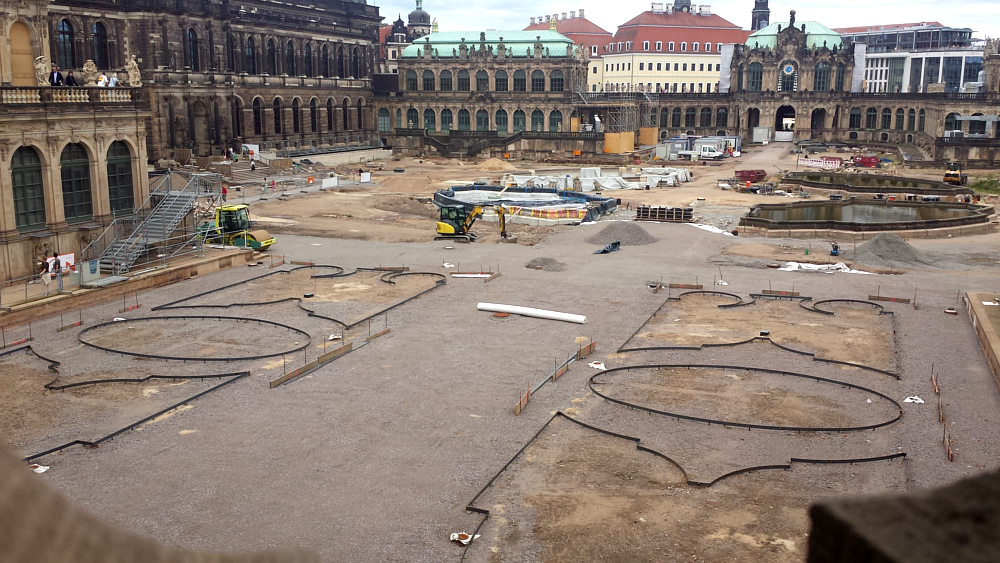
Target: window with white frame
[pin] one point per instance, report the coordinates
(659, 45)
(684, 46)
(619, 45)
(628, 45)
(670, 46)
(641, 65)
(718, 47)
(694, 47)
(593, 50)
(645, 45)
(708, 47)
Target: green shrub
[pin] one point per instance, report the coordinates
(990, 184)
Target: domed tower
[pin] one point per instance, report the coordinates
(419, 22)
(761, 15)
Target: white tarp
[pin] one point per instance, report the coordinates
(711, 229)
(557, 182)
(825, 268)
(653, 180)
(615, 183)
(683, 174)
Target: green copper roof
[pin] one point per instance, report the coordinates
(816, 34)
(520, 42)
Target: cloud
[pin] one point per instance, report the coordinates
(981, 16)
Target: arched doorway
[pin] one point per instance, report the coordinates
(784, 119)
(753, 118)
(818, 122)
(22, 56)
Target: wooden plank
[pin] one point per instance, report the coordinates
(781, 293)
(491, 278)
(336, 353)
(685, 286)
(69, 326)
(890, 299)
(376, 335)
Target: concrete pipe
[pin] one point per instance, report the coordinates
(531, 312)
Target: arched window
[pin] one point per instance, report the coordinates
(324, 61)
(296, 125)
(921, 120)
(555, 120)
(290, 59)
(706, 117)
(951, 123)
(501, 121)
(277, 116)
(307, 60)
(821, 80)
(886, 118)
(191, 52)
(446, 120)
(29, 194)
(538, 81)
(74, 167)
(556, 81)
(482, 81)
(251, 56)
(482, 120)
(899, 119)
(689, 117)
(342, 63)
(841, 70)
(537, 121)
(412, 119)
(463, 119)
(871, 118)
(330, 113)
(313, 116)
(384, 121)
(271, 59)
(411, 80)
(120, 188)
(755, 77)
(445, 80)
(722, 117)
(664, 117)
(356, 63)
(361, 114)
(237, 106)
(739, 79)
(463, 81)
(675, 118)
(347, 121)
(99, 46)
(977, 127)
(500, 81)
(258, 117)
(518, 118)
(399, 119)
(65, 51)
(855, 122)
(520, 81)
(430, 120)
(428, 79)
(911, 120)
(788, 77)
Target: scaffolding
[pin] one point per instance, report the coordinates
(620, 109)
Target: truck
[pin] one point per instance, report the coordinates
(866, 161)
(705, 152)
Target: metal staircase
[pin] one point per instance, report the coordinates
(129, 238)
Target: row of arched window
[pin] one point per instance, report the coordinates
(501, 81)
(28, 184)
(690, 117)
(752, 78)
(873, 119)
(314, 121)
(283, 58)
(97, 44)
(447, 120)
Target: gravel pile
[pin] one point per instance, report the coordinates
(887, 250)
(547, 264)
(628, 233)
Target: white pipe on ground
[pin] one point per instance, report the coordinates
(532, 312)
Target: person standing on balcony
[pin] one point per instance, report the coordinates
(113, 82)
(102, 80)
(70, 80)
(55, 77)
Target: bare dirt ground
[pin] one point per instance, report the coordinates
(854, 334)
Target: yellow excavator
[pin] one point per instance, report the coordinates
(232, 226)
(456, 221)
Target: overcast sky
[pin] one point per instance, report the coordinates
(983, 16)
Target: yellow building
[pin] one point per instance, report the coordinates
(676, 48)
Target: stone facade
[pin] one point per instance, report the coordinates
(219, 74)
(70, 158)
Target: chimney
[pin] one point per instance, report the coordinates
(657, 7)
(564, 15)
(547, 18)
(706, 10)
(572, 14)
(581, 12)
(555, 17)
(532, 20)
(668, 8)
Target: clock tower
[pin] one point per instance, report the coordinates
(761, 15)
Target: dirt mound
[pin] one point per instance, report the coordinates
(628, 233)
(495, 164)
(547, 264)
(407, 206)
(887, 250)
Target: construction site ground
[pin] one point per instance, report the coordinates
(375, 455)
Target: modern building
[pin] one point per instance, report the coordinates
(71, 159)
(670, 48)
(577, 27)
(911, 57)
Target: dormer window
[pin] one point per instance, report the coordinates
(684, 46)
(670, 46)
(645, 45)
(659, 45)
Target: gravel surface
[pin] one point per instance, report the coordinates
(628, 233)
(887, 250)
(547, 264)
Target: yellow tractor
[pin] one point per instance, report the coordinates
(954, 175)
(455, 222)
(232, 226)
